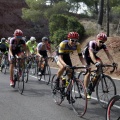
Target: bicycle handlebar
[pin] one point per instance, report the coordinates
(108, 65)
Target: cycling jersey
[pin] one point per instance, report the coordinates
(3, 47)
(42, 48)
(17, 47)
(92, 45)
(31, 46)
(64, 48)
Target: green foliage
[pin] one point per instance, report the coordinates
(57, 22)
(58, 8)
(58, 36)
(60, 25)
(29, 14)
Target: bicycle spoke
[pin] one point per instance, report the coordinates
(57, 96)
(105, 89)
(80, 97)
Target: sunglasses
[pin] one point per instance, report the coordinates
(101, 42)
(73, 40)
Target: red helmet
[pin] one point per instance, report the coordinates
(73, 35)
(18, 32)
(102, 36)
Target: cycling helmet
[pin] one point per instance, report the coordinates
(44, 39)
(102, 36)
(32, 39)
(73, 35)
(3, 39)
(18, 32)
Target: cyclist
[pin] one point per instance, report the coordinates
(63, 56)
(31, 45)
(17, 47)
(42, 48)
(89, 54)
(3, 49)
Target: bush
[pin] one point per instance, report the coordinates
(60, 25)
(58, 36)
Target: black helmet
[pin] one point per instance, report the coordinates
(44, 39)
(3, 39)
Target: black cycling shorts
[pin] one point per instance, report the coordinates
(43, 53)
(67, 60)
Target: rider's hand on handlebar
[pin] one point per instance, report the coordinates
(114, 64)
(97, 64)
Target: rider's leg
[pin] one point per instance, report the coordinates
(11, 73)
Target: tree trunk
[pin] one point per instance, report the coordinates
(100, 15)
(108, 9)
(118, 27)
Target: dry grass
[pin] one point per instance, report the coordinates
(113, 44)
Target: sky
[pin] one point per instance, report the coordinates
(81, 10)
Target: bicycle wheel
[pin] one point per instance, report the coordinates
(105, 90)
(21, 83)
(47, 74)
(80, 96)
(81, 76)
(113, 108)
(26, 74)
(57, 95)
(3, 68)
(15, 77)
(33, 68)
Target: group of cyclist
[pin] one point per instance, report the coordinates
(86, 56)
(18, 46)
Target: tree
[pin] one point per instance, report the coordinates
(60, 25)
(100, 16)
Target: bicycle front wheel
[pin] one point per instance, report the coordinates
(113, 108)
(21, 83)
(81, 76)
(78, 93)
(105, 90)
(47, 74)
(57, 94)
(26, 74)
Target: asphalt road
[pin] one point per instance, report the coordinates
(36, 103)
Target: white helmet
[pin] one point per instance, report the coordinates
(33, 39)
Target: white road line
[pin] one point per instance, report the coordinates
(91, 96)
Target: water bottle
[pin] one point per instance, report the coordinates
(42, 66)
(67, 83)
(94, 78)
(64, 81)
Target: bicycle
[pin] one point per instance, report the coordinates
(4, 63)
(105, 86)
(77, 92)
(113, 108)
(44, 70)
(30, 67)
(19, 73)
(33, 65)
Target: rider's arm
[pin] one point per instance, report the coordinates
(10, 50)
(92, 56)
(61, 51)
(80, 54)
(38, 49)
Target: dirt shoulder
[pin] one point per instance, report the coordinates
(113, 44)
